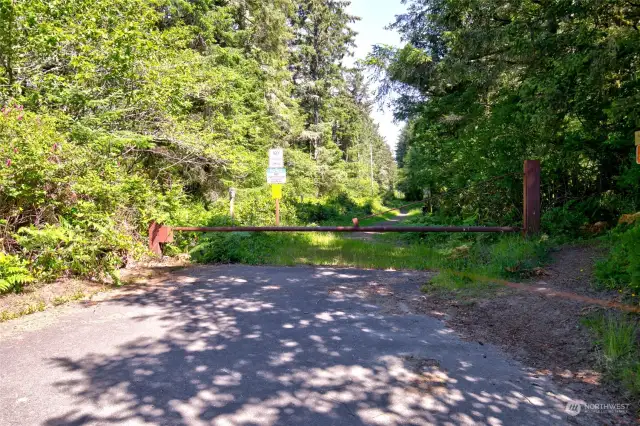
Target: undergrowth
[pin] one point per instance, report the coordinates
(619, 349)
(620, 270)
(13, 273)
(510, 257)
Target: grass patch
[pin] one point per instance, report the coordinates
(346, 220)
(459, 284)
(388, 215)
(306, 248)
(510, 257)
(617, 339)
(620, 270)
(61, 300)
(27, 310)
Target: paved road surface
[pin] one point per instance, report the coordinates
(238, 345)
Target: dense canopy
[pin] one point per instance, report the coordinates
(119, 112)
(485, 84)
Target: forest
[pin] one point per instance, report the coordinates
(484, 85)
(117, 113)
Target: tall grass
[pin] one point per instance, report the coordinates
(313, 249)
(509, 257)
(617, 339)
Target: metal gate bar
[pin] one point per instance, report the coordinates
(159, 234)
(348, 229)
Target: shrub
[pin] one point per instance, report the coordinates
(514, 256)
(564, 221)
(237, 247)
(92, 251)
(13, 273)
(621, 269)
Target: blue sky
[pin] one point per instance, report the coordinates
(375, 15)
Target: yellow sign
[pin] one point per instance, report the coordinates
(638, 137)
(276, 191)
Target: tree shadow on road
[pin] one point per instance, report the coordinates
(248, 346)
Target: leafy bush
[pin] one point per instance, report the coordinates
(67, 208)
(621, 269)
(92, 251)
(237, 247)
(514, 256)
(13, 273)
(564, 221)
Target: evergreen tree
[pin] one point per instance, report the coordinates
(322, 38)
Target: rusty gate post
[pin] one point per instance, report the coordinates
(154, 244)
(159, 234)
(531, 208)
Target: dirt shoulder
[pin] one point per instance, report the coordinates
(543, 332)
(43, 296)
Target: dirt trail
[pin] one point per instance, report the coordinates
(369, 236)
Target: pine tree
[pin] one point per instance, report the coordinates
(322, 38)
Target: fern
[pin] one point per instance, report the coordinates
(13, 273)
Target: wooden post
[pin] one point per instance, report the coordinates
(531, 208)
(277, 211)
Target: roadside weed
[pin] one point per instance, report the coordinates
(617, 340)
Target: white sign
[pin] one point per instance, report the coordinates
(276, 158)
(276, 175)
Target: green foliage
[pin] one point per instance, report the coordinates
(619, 349)
(621, 269)
(487, 84)
(339, 209)
(237, 247)
(565, 220)
(116, 113)
(91, 251)
(13, 273)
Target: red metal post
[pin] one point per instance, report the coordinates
(159, 234)
(531, 208)
(154, 244)
(277, 211)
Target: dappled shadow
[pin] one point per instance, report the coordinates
(239, 345)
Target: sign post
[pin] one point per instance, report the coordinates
(276, 176)
(638, 147)
(276, 194)
(232, 199)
